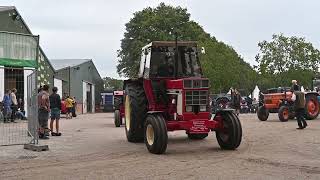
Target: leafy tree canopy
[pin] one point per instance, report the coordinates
(221, 64)
(112, 84)
(286, 58)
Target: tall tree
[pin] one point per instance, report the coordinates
(221, 64)
(112, 84)
(286, 58)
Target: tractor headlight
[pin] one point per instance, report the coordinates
(203, 108)
(188, 108)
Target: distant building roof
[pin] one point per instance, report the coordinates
(63, 63)
(6, 8)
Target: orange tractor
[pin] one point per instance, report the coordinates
(280, 101)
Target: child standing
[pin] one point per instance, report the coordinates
(69, 105)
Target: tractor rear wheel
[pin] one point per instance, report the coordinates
(197, 136)
(312, 107)
(230, 136)
(135, 112)
(284, 113)
(117, 118)
(156, 135)
(262, 113)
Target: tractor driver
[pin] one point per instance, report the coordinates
(166, 68)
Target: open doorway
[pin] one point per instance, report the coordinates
(89, 98)
(14, 78)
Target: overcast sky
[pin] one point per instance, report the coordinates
(93, 29)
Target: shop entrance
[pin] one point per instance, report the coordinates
(14, 78)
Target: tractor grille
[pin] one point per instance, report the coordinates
(198, 83)
(196, 97)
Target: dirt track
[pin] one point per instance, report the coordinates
(92, 148)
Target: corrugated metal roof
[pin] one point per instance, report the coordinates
(63, 63)
(6, 8)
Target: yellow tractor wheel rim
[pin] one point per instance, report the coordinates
(150, 134)
(127, 112)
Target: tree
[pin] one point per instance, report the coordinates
(286, 58)
(221, 64)
(112, 84)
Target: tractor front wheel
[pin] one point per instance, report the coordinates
(284, 113)
(197, 136)
(230, 136)
(262, 113)
(156, 136)
(117, 118)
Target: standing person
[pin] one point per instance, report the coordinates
(299, 104)
(7, 105)
(295, 84)
(43, 111)
(237, 100)
(14, 105)
(74, 106)
(69, 105)
(55, 107)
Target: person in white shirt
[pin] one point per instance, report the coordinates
(14, 105)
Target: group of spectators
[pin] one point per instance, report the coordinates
(11, 108)
(51, 104)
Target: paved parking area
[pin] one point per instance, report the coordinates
(92, 148)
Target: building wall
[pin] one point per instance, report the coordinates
(85, 72)
(63, 74)
(7, 23)
(45, 75)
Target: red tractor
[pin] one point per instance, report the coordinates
(280, 101)
(118, 107)
(172, 94)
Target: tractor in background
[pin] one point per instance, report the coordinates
(118, 107)
(279, 100)
(171, 94)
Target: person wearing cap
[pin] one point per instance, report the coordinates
(294, 84)
(299, 104)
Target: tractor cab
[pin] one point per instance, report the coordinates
(161, 59)
(173, 72)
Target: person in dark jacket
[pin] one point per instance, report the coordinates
(55, 107)
(299, 105)
(237, 101)
(7, 105)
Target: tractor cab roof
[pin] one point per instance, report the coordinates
(171, 44)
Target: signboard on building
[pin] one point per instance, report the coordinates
(18, 50)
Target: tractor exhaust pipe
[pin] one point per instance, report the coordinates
(176, 57)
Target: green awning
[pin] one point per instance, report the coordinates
(17, 63)
(18, 50)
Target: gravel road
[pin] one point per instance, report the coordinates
(92, 148)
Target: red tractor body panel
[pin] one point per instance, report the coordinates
(192, 122)
(274, 100)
